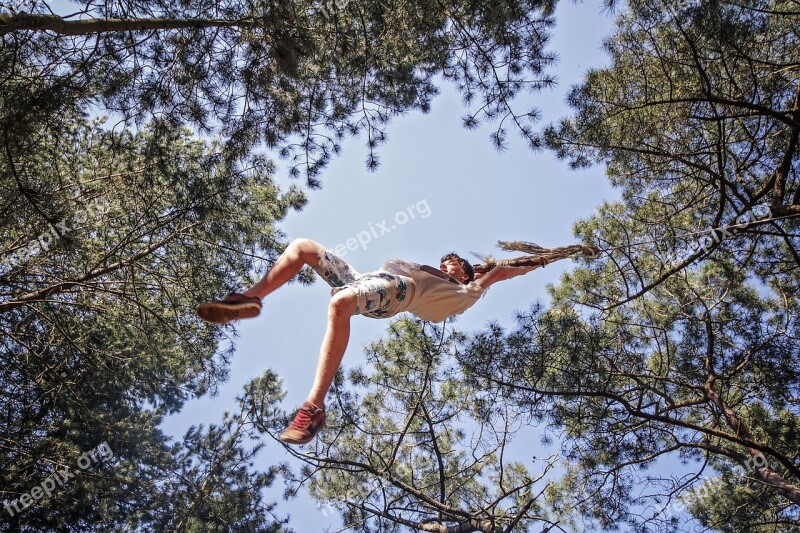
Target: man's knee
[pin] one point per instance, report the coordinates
(343, 304)
(308, 250)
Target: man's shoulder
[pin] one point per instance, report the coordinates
(400, 266)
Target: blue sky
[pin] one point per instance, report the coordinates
(465, 196)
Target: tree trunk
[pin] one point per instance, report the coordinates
(25, 21)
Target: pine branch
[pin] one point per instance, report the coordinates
(10, 22)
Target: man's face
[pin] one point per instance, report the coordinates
(454, 268)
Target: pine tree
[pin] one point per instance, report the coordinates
(678, 344)
(110, 239)
(114, 228)
(411, 446)
(298, 76)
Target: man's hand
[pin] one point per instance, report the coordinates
(502, 272)
(508, 272)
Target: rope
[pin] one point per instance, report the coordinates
(547, 255)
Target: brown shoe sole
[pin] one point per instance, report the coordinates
(222, 313)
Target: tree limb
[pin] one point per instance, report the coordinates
(10, 22)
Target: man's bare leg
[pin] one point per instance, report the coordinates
(311, 417)
(236, 306)
(340, 310)
(299, 253)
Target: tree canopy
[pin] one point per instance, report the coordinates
(109, 238)
(135, 181)
(294, 75)
(680, 341)
(415, 446)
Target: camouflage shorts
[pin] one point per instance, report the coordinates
(378, 294)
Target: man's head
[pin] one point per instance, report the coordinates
(458, 267)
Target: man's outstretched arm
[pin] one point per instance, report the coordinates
(500, 273)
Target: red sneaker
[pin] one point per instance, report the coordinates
(309, 420)
(235, 306)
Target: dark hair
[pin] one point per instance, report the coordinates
(465, 266)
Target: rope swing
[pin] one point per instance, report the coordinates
(540, 256)
(537, 255)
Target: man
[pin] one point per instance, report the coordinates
(428, 293)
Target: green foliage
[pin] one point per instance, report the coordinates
(670, 347)
(113, 229)
(123, 233)
(215, 487)
(296, 76)
(667, 347)
(410, 444)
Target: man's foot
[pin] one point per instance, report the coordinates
(235, 306)
(309, 420)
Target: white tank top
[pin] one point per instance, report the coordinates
(435, 298)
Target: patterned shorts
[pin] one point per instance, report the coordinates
(378, 294)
